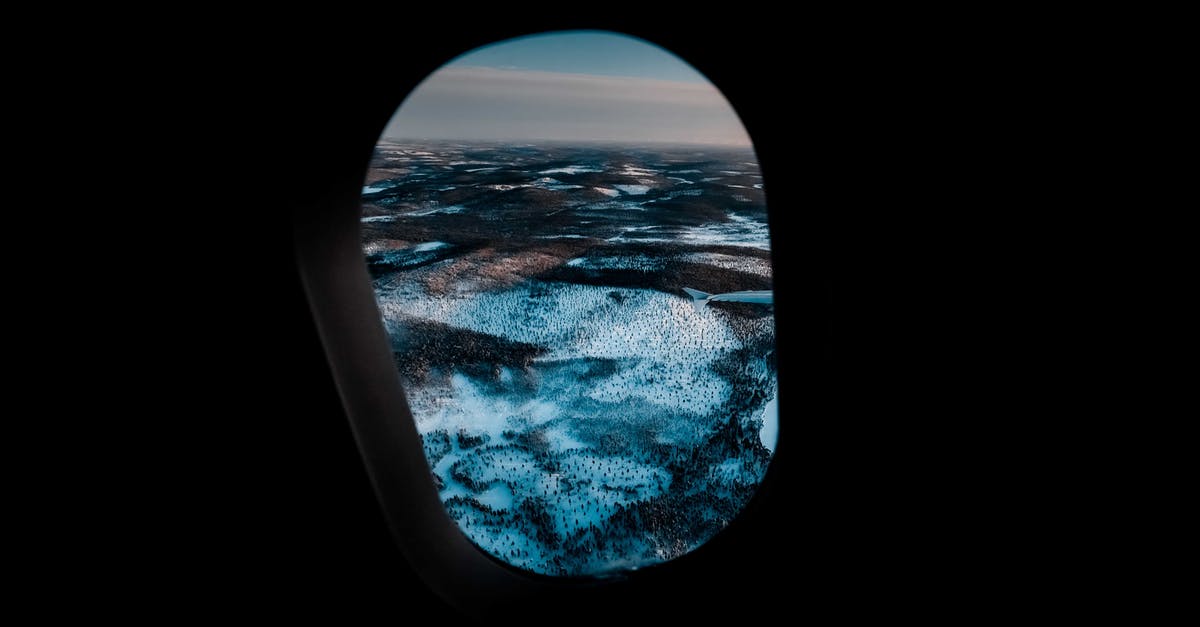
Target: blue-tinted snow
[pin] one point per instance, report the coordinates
(738, 231)
(606, 206)
(630, 170)
(605, 485)
(499, 496)
(667, 347)
(617, 362)
(769, 434)
(572, 169)
(751, 265)
(427, 246)
(439, 209)
(619, 262)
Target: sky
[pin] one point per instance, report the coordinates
(569, 86)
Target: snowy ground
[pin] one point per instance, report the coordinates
(576, 427)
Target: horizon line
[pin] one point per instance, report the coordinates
(559, 141)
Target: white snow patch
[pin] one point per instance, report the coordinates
(498, 496)
(750, 265)
(608, 205)
(442, 469)
(463, 406)
(632, 170)
(436, 209)
(619, 262)
(769, 434)
(571, 169)
(370, 248)
(633, 190)
(691, 191)
(739, 231)
(611, 193)
(668, 344)
(427, 246)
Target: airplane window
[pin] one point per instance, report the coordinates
(567, 235)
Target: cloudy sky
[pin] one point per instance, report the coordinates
(581, 86)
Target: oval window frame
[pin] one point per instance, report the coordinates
(334, 276)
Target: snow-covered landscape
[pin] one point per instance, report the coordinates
(580, 414)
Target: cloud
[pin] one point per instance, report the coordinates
(458, 102)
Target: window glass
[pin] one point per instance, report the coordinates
(568, 239)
